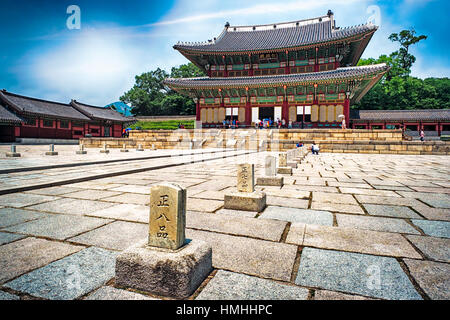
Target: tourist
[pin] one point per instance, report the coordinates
(224, 124)
(422, 135)
(283, 123)
(315, 148)
(290, 124)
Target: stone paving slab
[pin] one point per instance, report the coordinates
(362, 274)
(434, 228)
(71, 206)
(433, 248)
(298, 215)
(393, 201)
(12, 216)
(21, 256)
(332, 295)
(203, 205)
(251, 256)
(432, 199)
(228, 285)
(370, 192)
(433, 213)
(7, 296)
(54, 191)
(375, 223)
(390, 211)
(9, 237)
(291, 202)
(432, 277)
(131, 198)
(333, 198)
(210, 194)
(58, 227)
(239, 213)
(91, 194)
(337, 207)
(69, 278)
(118, 235)
(19, 200)
(111, 293)
(127, 212)
(241, 226)
(132, 189)
(357, 240)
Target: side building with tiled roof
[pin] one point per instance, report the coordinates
(303, 72)
(432, 121)
(26, 117)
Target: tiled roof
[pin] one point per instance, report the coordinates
(7, 116)
(99, 112)
(40, 107)
(401, 115)
(283, 35)
(340, 73)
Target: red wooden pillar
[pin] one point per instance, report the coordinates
(347, 111)
(248, 113)
(197, 110)
(285, 111)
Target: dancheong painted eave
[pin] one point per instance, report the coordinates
(278, 36)
(346, 73)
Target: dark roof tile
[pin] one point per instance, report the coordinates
(340, 73)
(41, 107)
(285, 35)
(401, 115)
(99, 112)
(8, 116)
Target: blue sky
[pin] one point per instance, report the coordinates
(119, 39)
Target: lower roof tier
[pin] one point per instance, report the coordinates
(358, 80)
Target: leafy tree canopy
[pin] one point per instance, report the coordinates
(149, 95)
(398, 90)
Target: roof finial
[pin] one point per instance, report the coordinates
(227, 24)
(330, 13)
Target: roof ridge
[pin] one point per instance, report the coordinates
(32, 98)
(89, 105)
(319, 20)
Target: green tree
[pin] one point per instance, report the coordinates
(397, 89)
(406, 38)
(150, 96)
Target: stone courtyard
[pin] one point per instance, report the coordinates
(343, 226)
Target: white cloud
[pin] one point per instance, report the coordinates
(97, 66)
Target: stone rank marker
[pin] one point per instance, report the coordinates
(246, 177)
(105, 149)
(246, 198)
(51, 151)
(81, 151)
(124, 149)
(270, 178)
(140, 148)
(13, 153)
(282, 164)
(167, 216)
(166, 263)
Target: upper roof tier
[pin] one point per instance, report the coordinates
(277, 36)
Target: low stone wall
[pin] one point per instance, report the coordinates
(386, 147)
(329, 140)
(283, 134)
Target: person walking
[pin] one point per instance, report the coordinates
(422, 135)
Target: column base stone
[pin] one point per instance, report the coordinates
(246, 201)
(284, 170)
(270, 181)
(168, 273)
